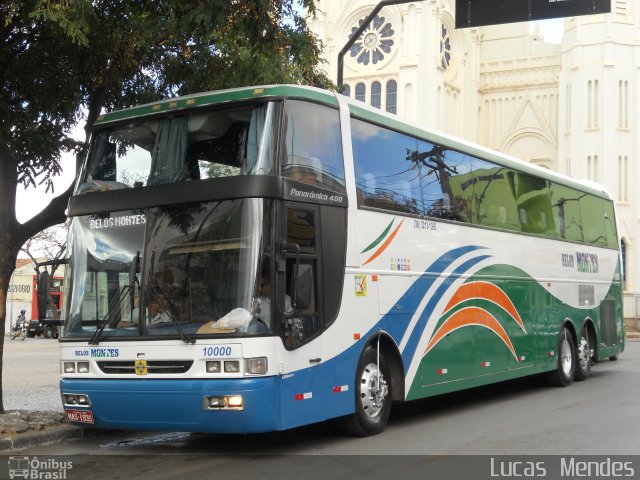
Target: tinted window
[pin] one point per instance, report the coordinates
(446, 191)
(493, 201)
(593, 220)
(388, 174)
(610, 224)
(534, 205)
(565, 207)
(193, 146)
(313, 147)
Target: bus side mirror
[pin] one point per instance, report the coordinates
(302, 280)
(43, 294)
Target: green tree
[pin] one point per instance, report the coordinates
(66, 61)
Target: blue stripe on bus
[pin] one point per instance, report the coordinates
(421, 324)
(411, 299)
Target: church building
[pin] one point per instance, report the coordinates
(567, 107)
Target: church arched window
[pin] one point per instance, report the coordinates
(392, 96)
(445, 47)
(376, 94)
(361, 92)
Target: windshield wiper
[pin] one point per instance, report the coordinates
(110, 317)
(114, 306)
(173, 315)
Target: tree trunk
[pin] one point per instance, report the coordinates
(8, 258)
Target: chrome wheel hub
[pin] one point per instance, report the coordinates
(566, 356)
(373, 390)
(584, 353)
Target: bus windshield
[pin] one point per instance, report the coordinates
(190, 269)
(201, 145)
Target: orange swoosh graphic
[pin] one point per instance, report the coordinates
(486, 291)
(384, 246)
(471, 316)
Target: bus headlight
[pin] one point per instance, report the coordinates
(76, 400)
(231, 366)
(223, 402)
(83, 367)
(75, 367)
(213, 366)
(256, 366)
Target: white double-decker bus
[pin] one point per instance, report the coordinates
(263, 258)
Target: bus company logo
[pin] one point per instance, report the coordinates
(469, 314)
(140, 367)
(38, 469)
(382, 242)
(568, 260)
(98, 223)
(587, 262)
(104, 353)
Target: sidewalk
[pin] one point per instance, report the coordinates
(23, 429)
(31, 396)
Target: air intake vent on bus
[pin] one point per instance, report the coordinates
(608, 325)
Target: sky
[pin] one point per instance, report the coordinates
(32, 200)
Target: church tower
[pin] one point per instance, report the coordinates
(565, 107)
(410, 61)
(598, 90)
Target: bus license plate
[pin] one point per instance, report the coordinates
(80, 416)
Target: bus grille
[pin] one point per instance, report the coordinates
(153, 367)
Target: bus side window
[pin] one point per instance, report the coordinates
(312, 145)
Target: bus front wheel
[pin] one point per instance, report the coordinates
(373, 396)
(565, 369)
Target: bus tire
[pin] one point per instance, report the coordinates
(584, 356)
(372, 408)
(48, 332)
(613, 358)
(565, 369)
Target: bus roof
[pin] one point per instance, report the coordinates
(357, 108)
(219, 97)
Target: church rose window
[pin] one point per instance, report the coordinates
(445, 48)
(374, 43)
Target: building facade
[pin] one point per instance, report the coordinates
(23, 291)
(567, 106)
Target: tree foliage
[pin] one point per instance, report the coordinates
(66, 61)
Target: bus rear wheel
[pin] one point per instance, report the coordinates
(565, 370)
(373, 396)
(585, 354)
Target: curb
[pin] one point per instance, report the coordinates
(47, 436)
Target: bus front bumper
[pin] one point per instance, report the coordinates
(194, 405)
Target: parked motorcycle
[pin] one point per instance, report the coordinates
(21, 328)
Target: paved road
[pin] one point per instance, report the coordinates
(599, 416)
(522, 417)
(30, 374)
